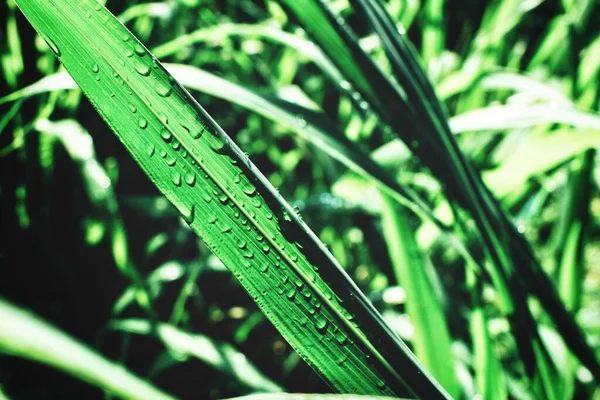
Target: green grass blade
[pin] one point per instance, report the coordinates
(24, 335)
(577, 217)
(226, 201)
(299, 396)
(570, 247)
(221, 356)
(489, 374)
(514, 268)
(215, 34)
(312, 126)
(432, 341)
(3, 395)
(505, 117)
(521, 83)
(433, 30)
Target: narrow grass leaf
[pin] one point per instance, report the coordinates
(432, 341)
(24, 335)
(221, 356)
(301, 396)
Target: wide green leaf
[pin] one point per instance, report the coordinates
(224, 199)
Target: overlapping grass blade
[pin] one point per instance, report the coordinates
(571, 236)
(219, 193)
(438, 150)
(24, 335)
(312, 126)
(221, 356)
(299, 396)
(489, 375)
(432, 341)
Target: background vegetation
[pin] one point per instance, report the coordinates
(82, 224)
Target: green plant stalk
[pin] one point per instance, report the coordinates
(433, 32)
(432, 342)
(24, 335)
(226, 201)
(571, 271)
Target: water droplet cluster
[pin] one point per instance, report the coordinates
(209, 186)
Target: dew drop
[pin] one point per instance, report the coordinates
(206, 197)
(125, 37)
(264, 268)
(341, 337)
(129, 52)
(341, 359)
(300, 121)
(51, 44)
(266, 249)
(139, 50)
(151, 150)
(95, 68)
(249, 190)
(143, 70)
(218, 146)
(242, 244)
(163, 89)
(188, 215)
(176, 146)
(166, 135)
(177, 179)
(132, 108)
(163, 154)
(321, 324)
(163, 117)
(223, 198)
(248, 254)
(143, 123)
(171, 161)
(290, 293)
(190, 179)
(256, 203)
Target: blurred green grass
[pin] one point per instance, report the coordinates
(71, 216)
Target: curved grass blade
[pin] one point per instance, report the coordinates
(24, 335)
(221, 356)
(519, 116)
(523, 83)
(214, 34)
(300, 396)
(226, 201)
(3, 396)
